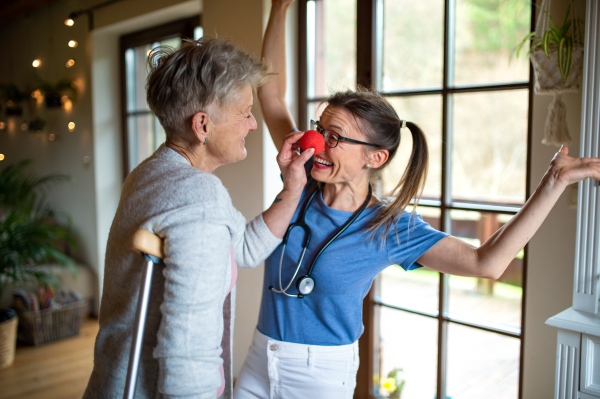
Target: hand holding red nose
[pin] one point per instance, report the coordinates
(312, 139)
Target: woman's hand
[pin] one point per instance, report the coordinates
(280, 213)
(292, 165)
(453, 256)
(565, 170)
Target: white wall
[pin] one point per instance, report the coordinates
(43, 35)
(551, 251)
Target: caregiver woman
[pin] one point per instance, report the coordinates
(202, 95)
(307, 347)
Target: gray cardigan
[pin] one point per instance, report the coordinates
(190, 315)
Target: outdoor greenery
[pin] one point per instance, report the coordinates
(30, 235)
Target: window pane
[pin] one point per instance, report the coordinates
(413, 44)
(136, 74)
(141, 138)
(407, 355)
(481, 364)
(417, 289)
(489, 154)
(314, 111)
(481, 299)
(426, 112)
(331, 46)
(486, 32)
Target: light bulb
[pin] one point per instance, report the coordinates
(70, 63)
(51, 137)
(69, 22)
(24, 126)
(36, 63)
(71, 126)
(72, 43)
(1, 157)
(2, 125)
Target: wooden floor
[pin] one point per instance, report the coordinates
(58, 370)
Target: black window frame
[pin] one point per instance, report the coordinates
(366, 73)
(183, 28)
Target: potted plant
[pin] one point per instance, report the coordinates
(53, 92)
(556, 53)
(30, 235)
(13, 97)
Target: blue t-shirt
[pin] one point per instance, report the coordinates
(332, 313)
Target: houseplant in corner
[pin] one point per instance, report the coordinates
(556, 53)
(29, 232)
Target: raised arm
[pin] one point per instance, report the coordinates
(453, 256)
(272, 95)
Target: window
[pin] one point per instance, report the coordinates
(142, 132)
(443, 65)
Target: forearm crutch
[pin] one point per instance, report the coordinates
(151, 248)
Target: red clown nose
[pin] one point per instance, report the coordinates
(312, 139)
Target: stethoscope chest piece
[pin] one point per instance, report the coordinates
(305, 285)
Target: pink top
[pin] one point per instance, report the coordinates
(233, 280)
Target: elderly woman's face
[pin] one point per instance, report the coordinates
(226, 142)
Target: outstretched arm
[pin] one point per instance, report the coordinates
(453, 256)
(272, 95)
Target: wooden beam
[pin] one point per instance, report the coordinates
(16, 9)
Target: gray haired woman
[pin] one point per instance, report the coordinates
(202, 94)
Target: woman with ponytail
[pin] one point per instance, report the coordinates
(305, 346)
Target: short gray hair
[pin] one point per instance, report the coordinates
(202, 76)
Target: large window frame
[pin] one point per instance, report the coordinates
(369, 35)
(183, 28)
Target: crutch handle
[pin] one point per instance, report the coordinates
(151, 246)
(145, 242)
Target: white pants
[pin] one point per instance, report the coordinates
(283, 370)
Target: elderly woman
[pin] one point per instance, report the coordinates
(203, 96)
(310, 319)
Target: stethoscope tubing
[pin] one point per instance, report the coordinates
(302, 223)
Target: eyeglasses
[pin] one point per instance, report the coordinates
(332, 139)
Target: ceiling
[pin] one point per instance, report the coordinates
(15, 9)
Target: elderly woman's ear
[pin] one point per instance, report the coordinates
(200, 127)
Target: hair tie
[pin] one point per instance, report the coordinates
(403, 125)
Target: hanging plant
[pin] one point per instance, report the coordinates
(13, 97)
(53, 92)
(556, 53)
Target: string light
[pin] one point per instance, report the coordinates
(71, 126)
(24, 126)
(51, 137)
(36, 94)
(70, 63)
(72, 43)
(69, 22)
(2, 125)
(1, 157)
(36, 63)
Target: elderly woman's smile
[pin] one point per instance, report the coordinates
(226, 142)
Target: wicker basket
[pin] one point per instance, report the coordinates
(8, 335)
(38, 328)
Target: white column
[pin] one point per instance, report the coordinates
(587, 258)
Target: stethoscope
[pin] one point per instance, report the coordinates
(306, 284)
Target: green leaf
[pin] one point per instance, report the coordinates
(560, 56)
(545, 42)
